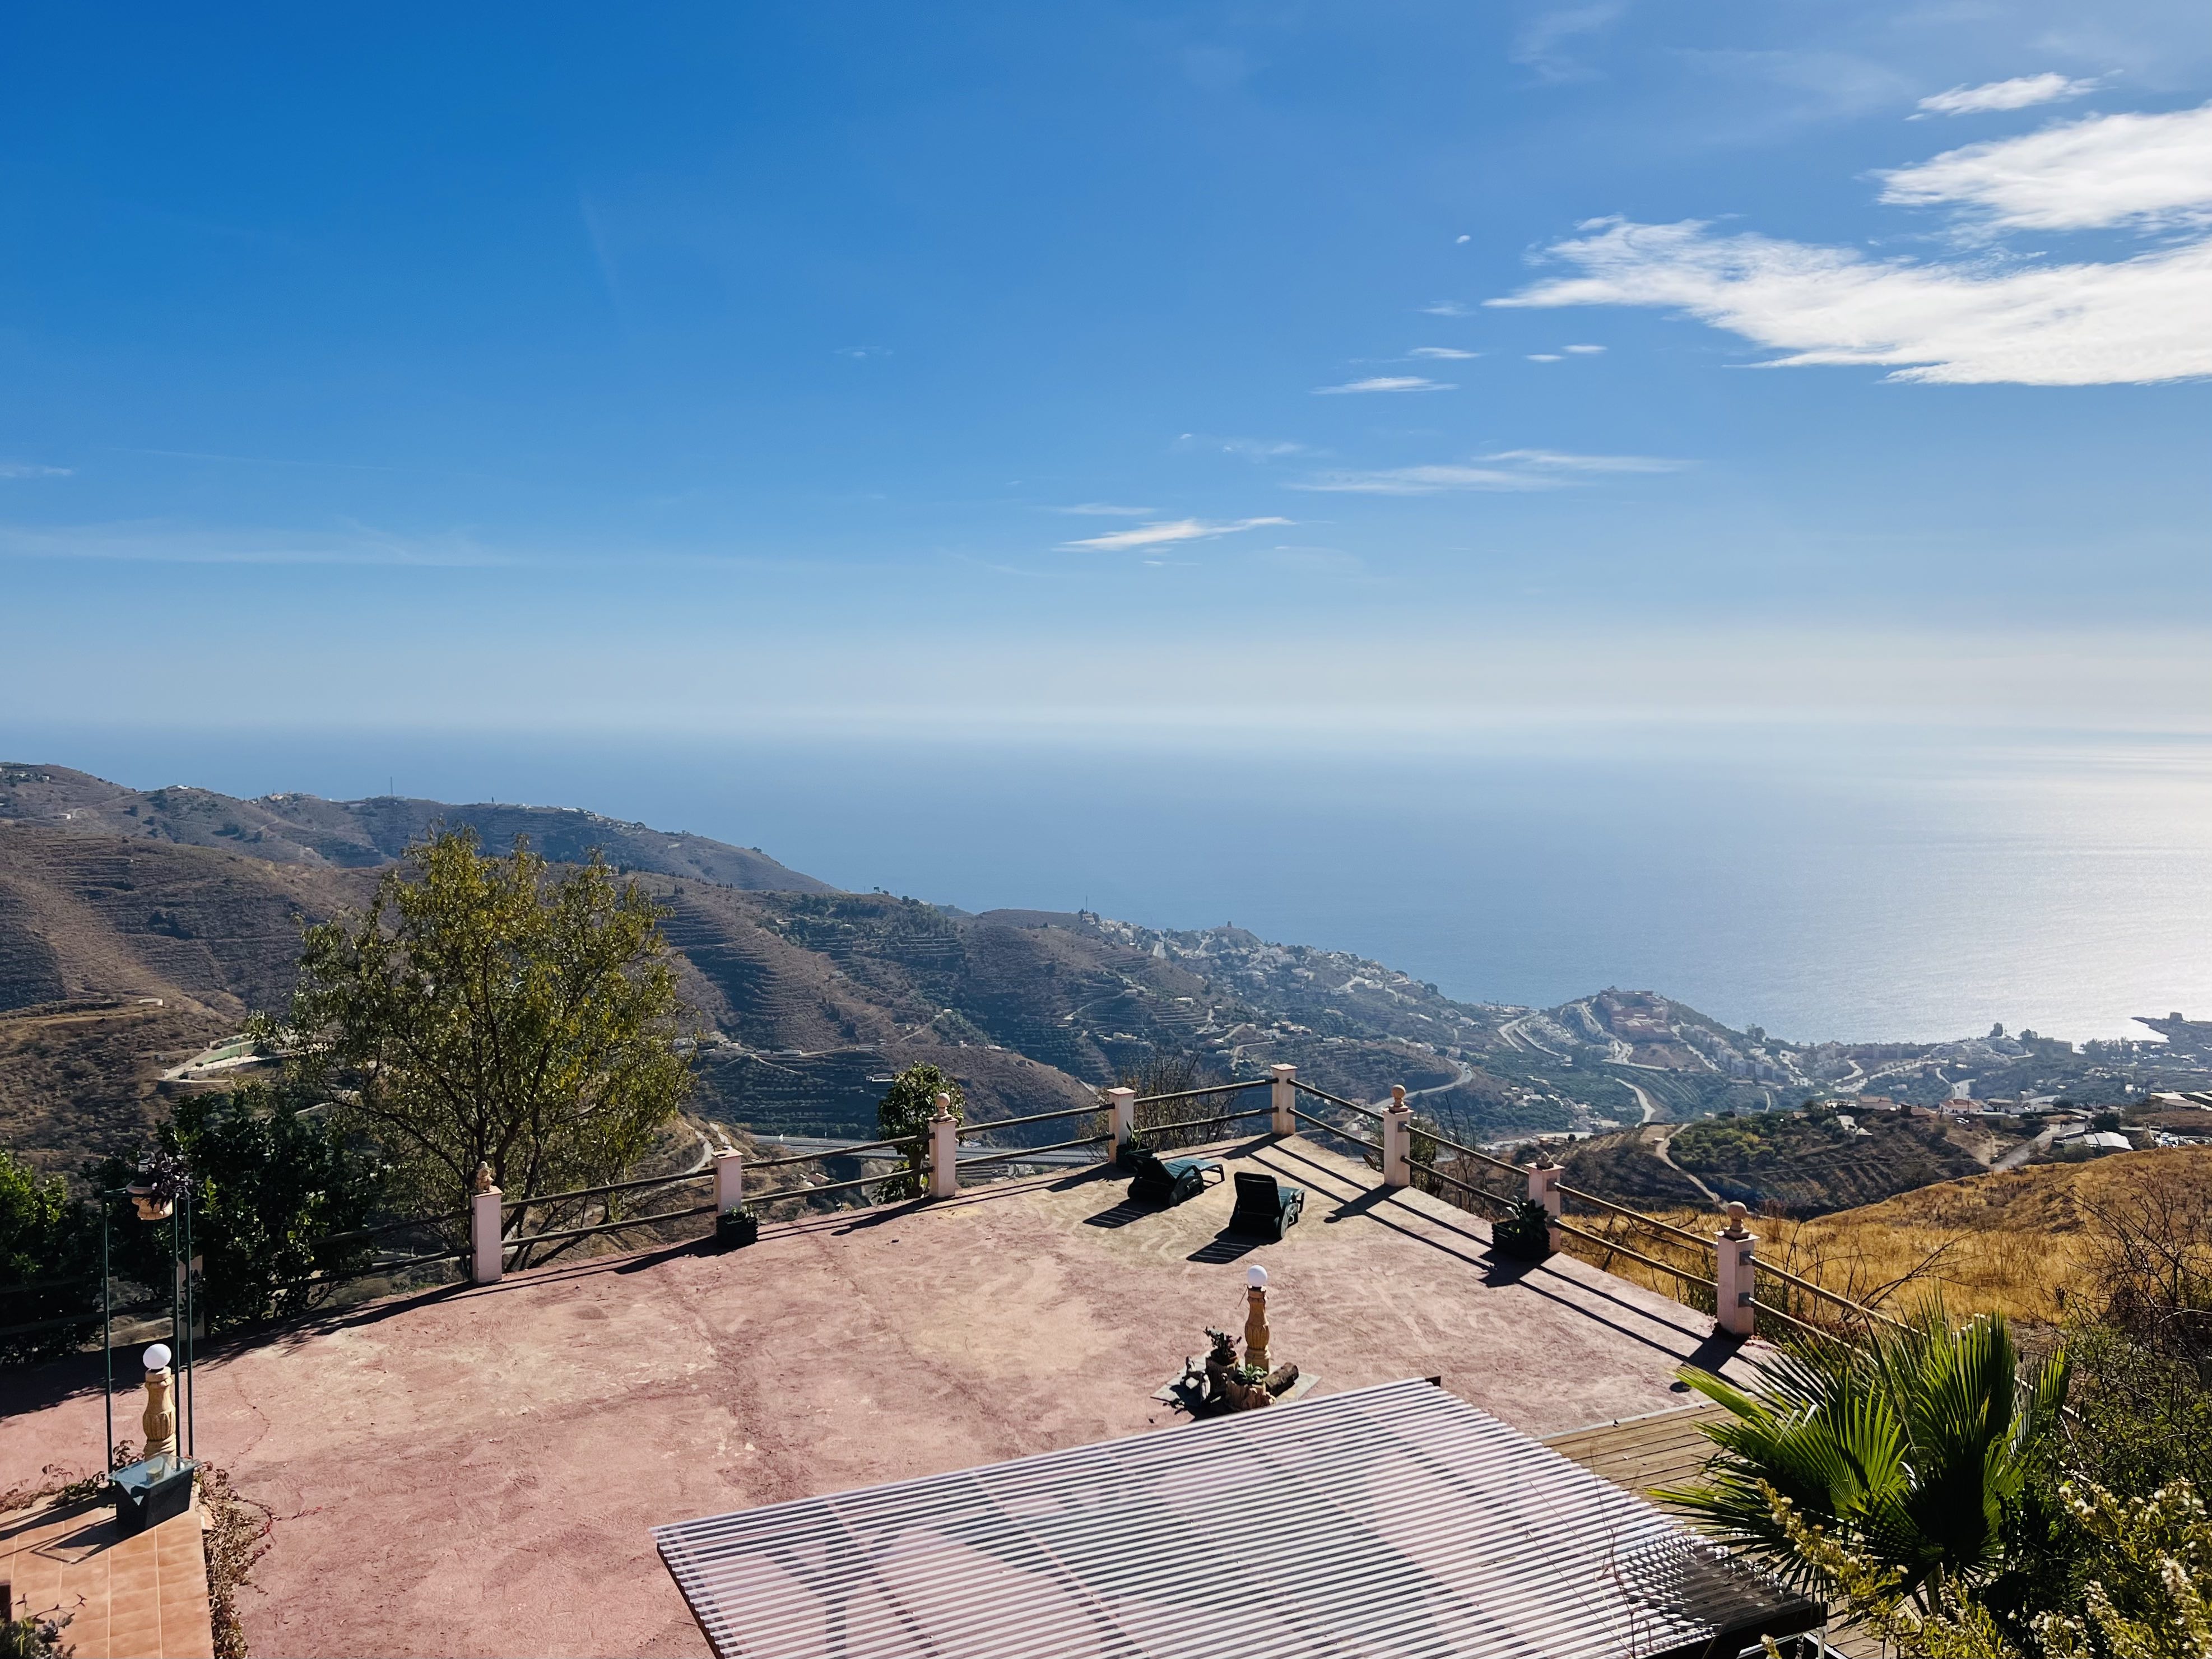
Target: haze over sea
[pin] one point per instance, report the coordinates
(1819, 888)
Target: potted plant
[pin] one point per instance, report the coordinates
(1526, 1234)
(161, 1180)
(734, 1228)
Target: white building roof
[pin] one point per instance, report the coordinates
(1393, 1520)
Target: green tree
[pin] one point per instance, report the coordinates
(905, 1111)
(1914, 1449)
(275, 1187)
(483, 1010)
(49, 1261)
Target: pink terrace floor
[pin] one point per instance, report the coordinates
(475, 1472)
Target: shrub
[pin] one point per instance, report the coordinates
(1526, 1234)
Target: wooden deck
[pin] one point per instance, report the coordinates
(1666, 1449)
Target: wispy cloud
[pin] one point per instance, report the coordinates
(2021, 92)
(1105, 510)
(1561, 461)
(32, 469)
(1447, 308)
(2150, 171)
(1386, 383)
(159, 542)
(1168, 531)
(1508, 471)
(1545, 357)
(1969, 320)
(1542, 43)
(1585, 350)
(1446, 353)
(1252, 449)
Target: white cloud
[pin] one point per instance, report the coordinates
(2135, 320)
(1561, 461)
(1585, 350)
(2145, 170)
(32, 470)
(1512, 469)
(1961, 321)
(1386, 383)
(1163, 533)
(1105, 510)
(2021, 92)
(1544, 357)
(1450, 354)
(1426, 481)
(1447, 308)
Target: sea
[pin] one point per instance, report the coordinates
(1820, 884)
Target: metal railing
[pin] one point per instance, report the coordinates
(1327, 1128)
(1200, 1093)
(1335, 1100)
(978, 1128)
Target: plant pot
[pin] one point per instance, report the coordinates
(734, 1228)
(148, 1493)
(150, 1208)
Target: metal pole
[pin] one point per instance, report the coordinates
(107, 1329)
(191, 1351)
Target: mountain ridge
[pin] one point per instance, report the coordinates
(807, 996)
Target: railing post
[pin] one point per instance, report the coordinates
(486, 1255)
(1124, 1103)
(729, 1181)
(1734, 1272)
(1544, 1189)
(1282, 1098)
(1397, 1136)
(944, 1150)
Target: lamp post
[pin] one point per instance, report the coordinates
(1256, 1319)
(153, 1204)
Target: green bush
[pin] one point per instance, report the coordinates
(273, 1182)
(49, 1261)
(905, 1112)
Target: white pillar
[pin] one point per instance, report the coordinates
(1544, 1189)
(1735, 1274)
(944, 1151)
(487, 1259)
(1124, 1103)
(729, 1181)
(1282, 1096)
(1397, 1135)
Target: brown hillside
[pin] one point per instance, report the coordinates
(102, 915)
(295, 829)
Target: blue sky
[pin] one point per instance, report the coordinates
(1193, 373)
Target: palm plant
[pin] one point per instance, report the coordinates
(1908, 1449)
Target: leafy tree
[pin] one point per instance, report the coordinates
(1910, 1449)
(49, 1261)
(484, 1011)
(275, 1187)
(906, 1110)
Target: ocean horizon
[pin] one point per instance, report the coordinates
(1822, 889)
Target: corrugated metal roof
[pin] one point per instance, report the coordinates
(1395, 1521)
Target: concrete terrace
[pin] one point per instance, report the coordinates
(474, 1471)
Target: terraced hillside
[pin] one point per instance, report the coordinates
(802, 994)
(296, 829)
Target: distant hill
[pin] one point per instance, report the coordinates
(806, 999)
(292, 829)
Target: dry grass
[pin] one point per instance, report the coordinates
(2019, 1243)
